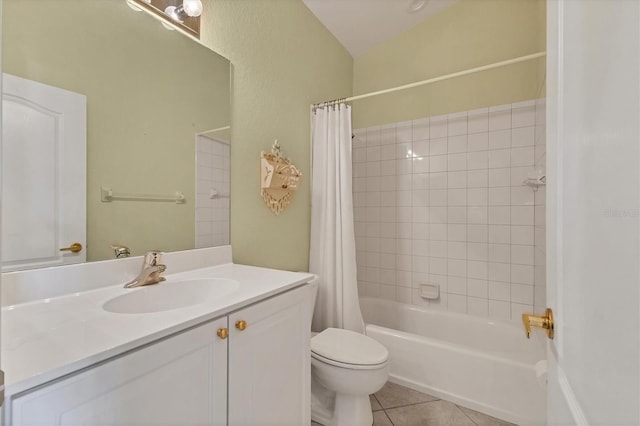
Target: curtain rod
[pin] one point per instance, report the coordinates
(444, 77)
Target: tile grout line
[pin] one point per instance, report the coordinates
(378, 401)
(388, 418)
(409, 405)
(466, 415)
(424, 402)
(376, 398)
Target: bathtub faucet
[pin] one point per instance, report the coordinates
(151, 270)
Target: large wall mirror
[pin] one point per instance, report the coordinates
(157, 120)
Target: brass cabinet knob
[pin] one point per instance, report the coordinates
(241, 325)
(73, 248)
(223, 333)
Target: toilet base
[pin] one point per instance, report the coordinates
(331, 409)
(353, 410)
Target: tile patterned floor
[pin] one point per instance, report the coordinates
(396, 405)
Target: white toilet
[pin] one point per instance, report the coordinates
(346, 367)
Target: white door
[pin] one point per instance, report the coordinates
(43, 174)
(593, 218)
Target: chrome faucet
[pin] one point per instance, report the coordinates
(120, 250)
(151, 270)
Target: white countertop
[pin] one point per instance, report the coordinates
(47, 339)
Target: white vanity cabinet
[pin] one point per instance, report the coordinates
(261, 373)
(269, 361)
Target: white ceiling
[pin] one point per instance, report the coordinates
(362, 24)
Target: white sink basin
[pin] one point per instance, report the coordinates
(169, 295)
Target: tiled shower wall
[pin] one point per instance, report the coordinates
(441, 201)
(212, 193)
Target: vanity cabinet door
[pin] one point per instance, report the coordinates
(269, 361)
(179, 381)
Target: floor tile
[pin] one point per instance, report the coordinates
(404, 406)
(392, 395)
(482, 419)
(381, 419)
(435, 413)
(375, 405)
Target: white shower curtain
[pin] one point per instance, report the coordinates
(332, 255)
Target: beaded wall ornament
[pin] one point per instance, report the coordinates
(278, 179)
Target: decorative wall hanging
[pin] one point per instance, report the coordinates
(278, 179)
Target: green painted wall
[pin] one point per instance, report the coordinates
(469, 34)
(283, 60)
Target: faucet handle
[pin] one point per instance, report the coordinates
(120, 250)
(153, 258)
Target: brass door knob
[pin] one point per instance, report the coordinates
(542, 321)
(73, 248)
(223, 333)
(241, 325)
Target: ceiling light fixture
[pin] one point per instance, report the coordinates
(188, 8)
(417, 5)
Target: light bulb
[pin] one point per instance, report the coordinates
(133, 6)
(417, 5)
(192, 8)
(172, 13)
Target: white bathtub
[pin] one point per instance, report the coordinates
(480, 364)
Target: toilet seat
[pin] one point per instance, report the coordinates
(348, 349)
(346, 365)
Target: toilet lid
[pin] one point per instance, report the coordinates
(348, 347)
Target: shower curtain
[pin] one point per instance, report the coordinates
(332, 254)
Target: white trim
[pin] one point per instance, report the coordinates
(570, 398)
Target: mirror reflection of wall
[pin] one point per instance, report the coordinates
(149, 93)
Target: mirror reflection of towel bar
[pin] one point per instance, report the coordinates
(214, 194)
(107, 196)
